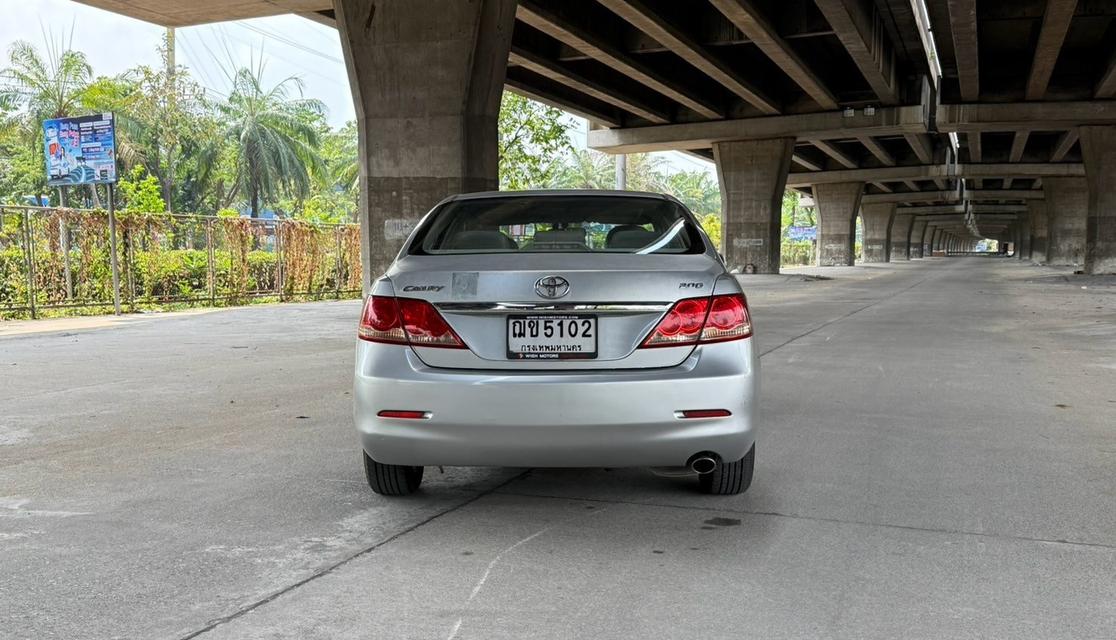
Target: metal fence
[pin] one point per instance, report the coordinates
(60, 259)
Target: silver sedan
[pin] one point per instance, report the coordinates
(557, 329)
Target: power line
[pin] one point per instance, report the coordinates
(290, 42)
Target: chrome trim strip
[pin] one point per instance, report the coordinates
(505, 307)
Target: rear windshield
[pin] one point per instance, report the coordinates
(553, 223)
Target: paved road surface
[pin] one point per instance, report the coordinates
(938, 460)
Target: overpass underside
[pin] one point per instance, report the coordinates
(938, 122)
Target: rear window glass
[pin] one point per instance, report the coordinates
(567, 224)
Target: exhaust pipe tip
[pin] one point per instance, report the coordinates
(703, 463)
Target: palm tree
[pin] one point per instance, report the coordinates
(50, 87)
(586, 169)
(274, 133)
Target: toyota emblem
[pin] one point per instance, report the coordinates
(552, 287)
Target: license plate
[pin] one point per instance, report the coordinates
(552, 337)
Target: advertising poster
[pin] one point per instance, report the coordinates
(80, 150)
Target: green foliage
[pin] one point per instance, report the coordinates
(273, 129)
(532, 137)
(711, 222)
(140, 192)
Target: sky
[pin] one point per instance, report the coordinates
(289, 45)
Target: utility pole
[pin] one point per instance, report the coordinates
(172, 99)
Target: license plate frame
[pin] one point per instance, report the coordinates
(553, 354)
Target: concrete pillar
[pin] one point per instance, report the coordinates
(837, 206)
(927, 240)
(753, 176)
(1023, 249)
(877, 220)
(918, 230)
(1067, 207)
(1098, 149)
(900, 236)
(426, 78)
(1036, 212)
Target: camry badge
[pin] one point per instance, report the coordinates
(552, 287)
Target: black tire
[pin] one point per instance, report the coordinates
(729, 478)
(391, 479)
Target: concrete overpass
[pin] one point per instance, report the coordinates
(908, 113)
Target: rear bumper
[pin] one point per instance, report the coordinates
(567, 419)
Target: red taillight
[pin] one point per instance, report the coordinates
(728, 319)
(406, 320)
(701, 320)
(404, 415)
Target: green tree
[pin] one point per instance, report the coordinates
(532, 140)
(48, 87)
(647, 172)
(584, 169)
(274, 135)
(140, 191)
(37, 87)
(697, 190)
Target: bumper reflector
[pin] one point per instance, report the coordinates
(404, 415)
(703, 413)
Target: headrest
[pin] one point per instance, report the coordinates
(480, 240)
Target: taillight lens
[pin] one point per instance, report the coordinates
(728, 319)
(701, 320)
(406, 321)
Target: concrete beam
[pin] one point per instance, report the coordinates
(860, 28)
(963, 26)
(1021, 170)
(1055, 23)
(882, 186)
(887, 121)
(806, 163)
(920, 144)
(1005, 194)
(961, 208)
(762, 33)
(597, 48)
(559, 73)
(833, 152)
(917, 196)
(877, 150)
(933, 171)
(321, 17)
(1023, 116)
(561, 102)
(881, 174)
(646, 20)
(1063, 146)
(1018, 146)
(1106, 87)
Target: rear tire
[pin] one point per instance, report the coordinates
(729, 478)
(391, 479)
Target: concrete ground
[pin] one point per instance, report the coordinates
(937, 460)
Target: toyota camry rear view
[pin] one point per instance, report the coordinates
(557, 329)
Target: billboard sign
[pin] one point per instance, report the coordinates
(799, 234)
(80, 150)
